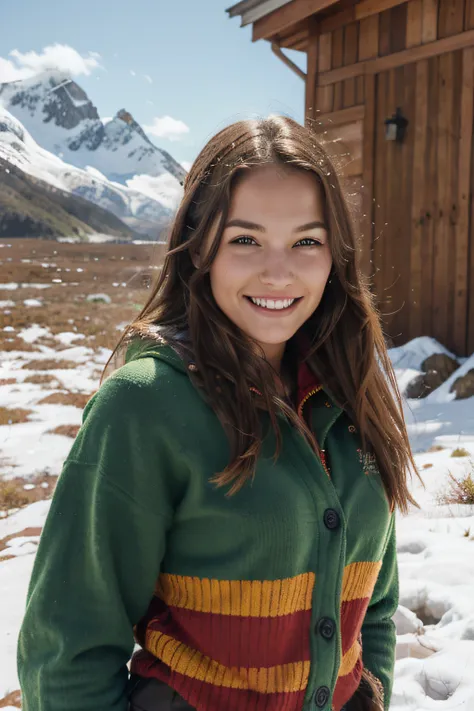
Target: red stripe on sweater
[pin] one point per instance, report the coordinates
(236, 641)
(352, 617)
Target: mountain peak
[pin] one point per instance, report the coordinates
(56, 111)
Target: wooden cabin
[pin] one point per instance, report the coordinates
(389, 86)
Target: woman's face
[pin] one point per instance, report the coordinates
(274, 259)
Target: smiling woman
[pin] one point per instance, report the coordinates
(229, 502)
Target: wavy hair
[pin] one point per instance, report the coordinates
(346, 345)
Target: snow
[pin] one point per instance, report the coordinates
(435, 618)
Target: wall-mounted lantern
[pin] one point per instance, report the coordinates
(395, 127)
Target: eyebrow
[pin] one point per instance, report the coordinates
(260, 228)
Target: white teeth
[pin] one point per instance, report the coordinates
(272, 303)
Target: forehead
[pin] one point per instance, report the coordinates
(277, 192)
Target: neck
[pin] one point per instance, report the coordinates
(274, 356)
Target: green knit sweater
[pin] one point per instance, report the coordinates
(272, 599)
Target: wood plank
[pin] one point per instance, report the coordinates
(324, 94)
(337, 61)
(398, 28)
(381, 188)
(418, 297)
(414, 54)
(440, 326)
(450, 18)
(384, 33)
(359, 11)
(429, 31)
(469, 15)
(339, 118)
(414, 23)
(454, 144)
(461, 276)
(431, 198)
(365, 8)
(368, 197)
(470, 305)
(369, 38)
(351, 38)
(404, 293)
(392, 214)
(311, 74)
(284, 17)
(360, 90)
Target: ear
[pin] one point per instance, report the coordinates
(196, 259)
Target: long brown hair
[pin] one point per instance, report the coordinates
(347, 350)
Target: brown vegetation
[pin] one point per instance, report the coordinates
(13, 415)
(67, 398)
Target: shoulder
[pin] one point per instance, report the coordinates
(140, 384)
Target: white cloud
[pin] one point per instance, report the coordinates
(167, 127)
(133, 74)
(148, 78)
(186, 164)
(57, 56)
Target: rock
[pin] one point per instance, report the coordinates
(437, 368)
(99, 298)
(417, 388)
(464, 385)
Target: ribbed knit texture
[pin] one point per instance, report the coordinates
(264, 601)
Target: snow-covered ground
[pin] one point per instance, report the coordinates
(435, 620)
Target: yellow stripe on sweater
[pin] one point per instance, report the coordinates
(359, 580)
(349, 659)
(192, 664)
(246, 598)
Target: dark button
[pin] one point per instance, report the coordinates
(326, 627)
(331, 519)
(321, 696)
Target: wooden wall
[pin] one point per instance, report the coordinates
(416, 216)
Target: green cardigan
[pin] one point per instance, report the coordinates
(272, 599)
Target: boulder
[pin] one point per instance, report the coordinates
(437, 368)
(464, 385)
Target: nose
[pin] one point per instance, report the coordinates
(276, 272)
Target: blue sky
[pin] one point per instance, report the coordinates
(181, 59)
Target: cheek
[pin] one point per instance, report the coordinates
(228, 272)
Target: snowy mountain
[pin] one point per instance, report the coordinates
(62, 119)
(148, 213)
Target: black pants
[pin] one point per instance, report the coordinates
(154, 695)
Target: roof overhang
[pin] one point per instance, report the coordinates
(252, 10)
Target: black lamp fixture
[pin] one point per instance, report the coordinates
(395, 127)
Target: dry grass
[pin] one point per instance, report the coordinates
(435, 448)
(11, 699)
(7, 381)
(459, 491)
(13, 416)
(49, 364)
(40, 379)
(460, 452)
(66, 430)
(67, 398)
(129, 267)
(16, 344)
(13, 495)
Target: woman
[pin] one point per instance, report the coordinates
(229, 502)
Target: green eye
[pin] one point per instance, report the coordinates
(244, 240)
(309, 242)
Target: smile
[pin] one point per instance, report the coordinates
(273, 304)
